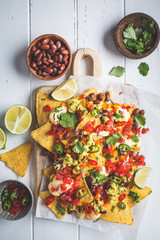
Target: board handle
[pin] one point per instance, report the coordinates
(96, 62)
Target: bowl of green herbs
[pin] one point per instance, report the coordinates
(136, 35)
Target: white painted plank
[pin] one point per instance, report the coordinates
(149, 227)
(14, 89)
(55, 17)
(95, 27)
(151, 81)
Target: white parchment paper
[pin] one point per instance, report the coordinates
(150, 148)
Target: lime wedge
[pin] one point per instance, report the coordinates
(65, 91)
(18, 119)
(141, 175)
(3, 139)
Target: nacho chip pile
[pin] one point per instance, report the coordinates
(94, 147)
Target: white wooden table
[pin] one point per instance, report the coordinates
(83, 23)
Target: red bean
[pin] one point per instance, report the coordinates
(39, 72)
(60, 58)
(50, 60)
(51, 52)
(54, 69)
(45, 47)
(45, 74)
(100, 97)
(62, 48)
(51, 65)
(45, 41)
(50, 42)
(65, 51)
(43, 66)
(58, 44)
(36, 52)
(33, 49)
(55, 64)
(66, 62)
(39, 56)
(136, 111)
(48, 56)
(55, 58)
(38, 44)
(36, 68)
(43, 53)
(107, 96)
(44, 60)
(39, 63)
(54, 47)
(62, 67)
(33, 65)
(48, 70)
(59, 72)
(142, 112)
(92, 95)
(65, 57)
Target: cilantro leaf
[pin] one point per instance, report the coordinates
(117, 71)
(138, 32)
(129, 32)
(112, 209)
(99, 178)
(148, 25)
(78, 148)
(143, 68)
(113, 138)
(140, 119)
(135, 138)
(107, 155)
(68, 120)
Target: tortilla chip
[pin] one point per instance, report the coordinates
(118, 215)
(52, 206)
(18, 158)
(86, 119)
(48, 171)
(142, 193)
(40, 135)
(43, 99)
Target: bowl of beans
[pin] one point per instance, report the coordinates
(16, 200)
(49, 57)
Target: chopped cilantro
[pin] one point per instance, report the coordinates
(118, 115)
(113, 138)
(117, 71)
(68, 120)
(143, 69)
(96, 220)
(140, 119)
(78, 148)
(107, 155)
(135, 138)
(135, 196)
(43, 99)
(112, 209)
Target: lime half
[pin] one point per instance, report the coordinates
(3, 139)
(18, 119)
(65, 91)
(141, 175)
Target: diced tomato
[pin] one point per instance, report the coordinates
(83, 96)
(108, 150)
(92, 162)
(51, 132)
(88, 208)
(99, 128)
(126, 130)
(144, 130)
(120, 124)
(48, 108)
(75, 201)
(122, 197)
(136, 131)
(88, 128)
(52, 189)
(49, 200)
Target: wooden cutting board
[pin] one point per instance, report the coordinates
(96, 72)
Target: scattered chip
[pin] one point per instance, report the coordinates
(18, 158)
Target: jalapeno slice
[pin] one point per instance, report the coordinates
(95, 112)
(14, 195)
(93, 149)
(115, 179)
(6, 206)
(59, 148)
(25, 201)
(124, 147)
(61, 210)
(5, 192)
(82, 192)
(122, 205)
